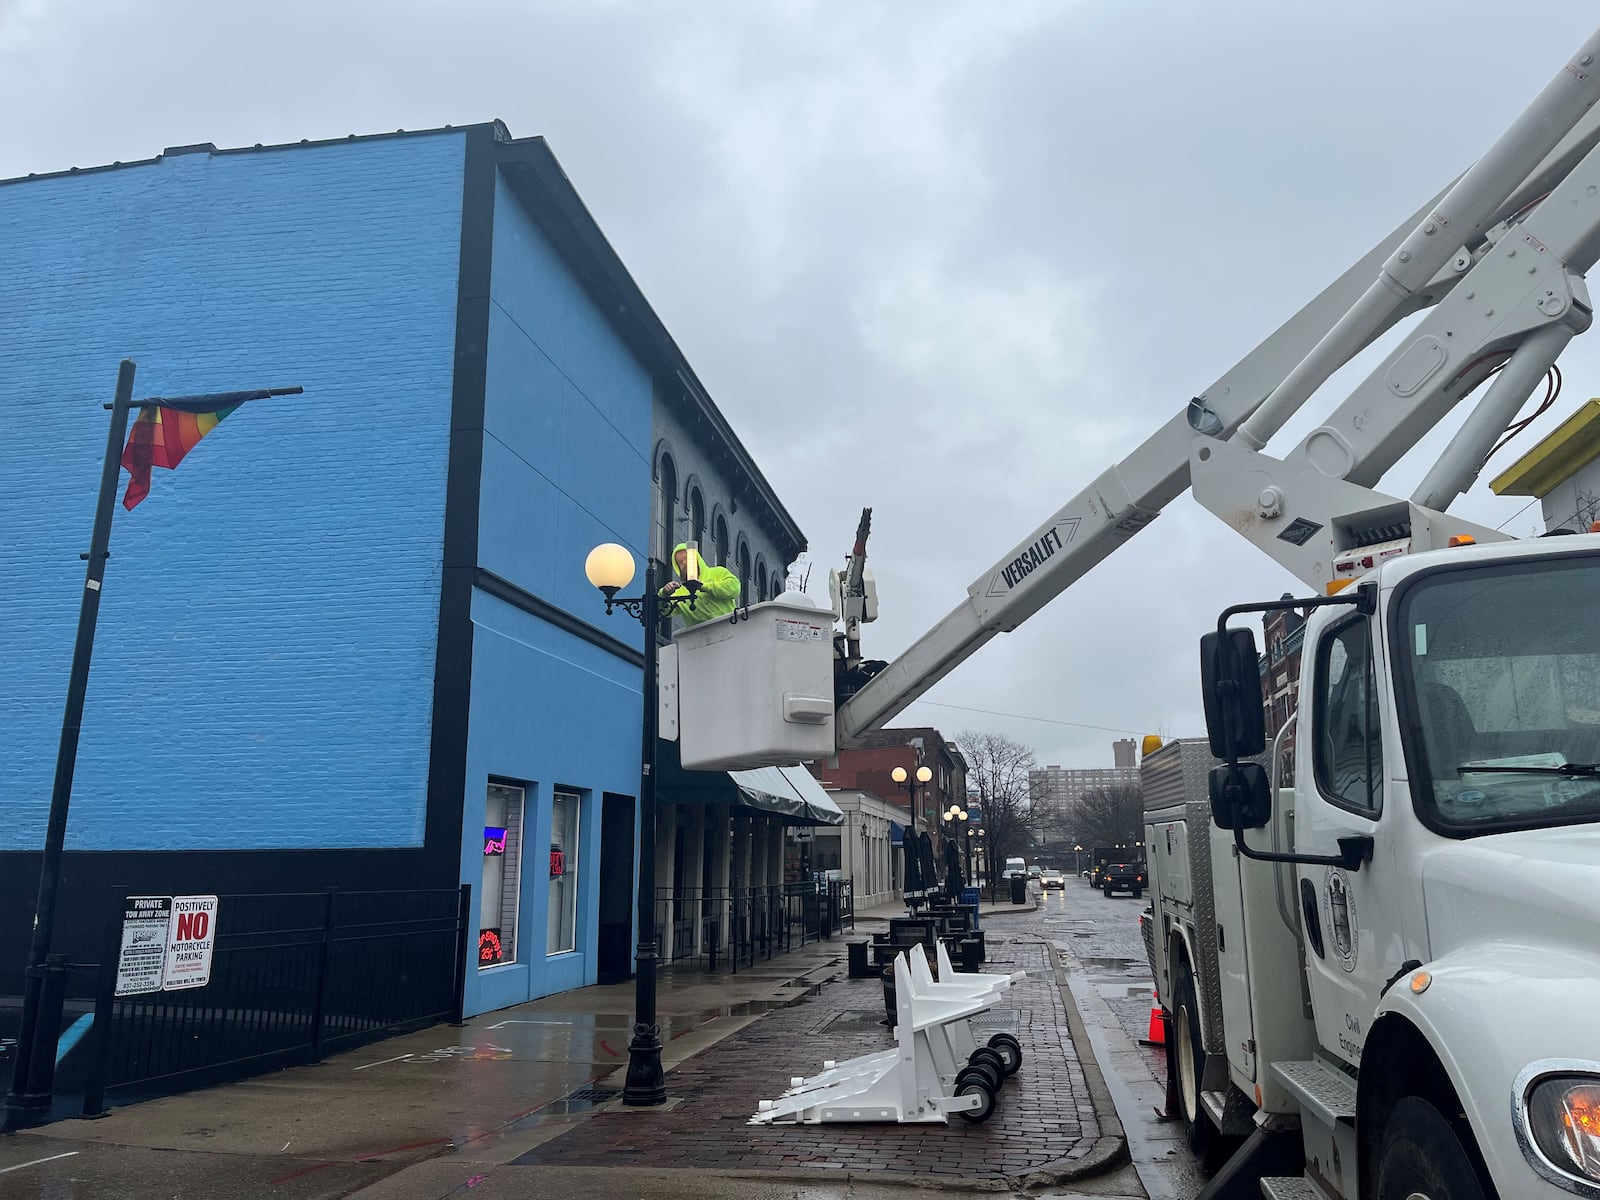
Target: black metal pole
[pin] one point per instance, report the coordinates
(911, 835)
(105, 1002)
(28, 1102)
(646, 1081)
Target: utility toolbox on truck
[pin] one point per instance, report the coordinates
(1211, 914)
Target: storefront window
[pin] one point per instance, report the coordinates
(502, 875)
(562, 934)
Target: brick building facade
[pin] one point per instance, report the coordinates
(870, 768)
(1283, 633)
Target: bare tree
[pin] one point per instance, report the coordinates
(1110, 816)
(997, 771)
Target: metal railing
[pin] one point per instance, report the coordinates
(293, 978)
(713, 928)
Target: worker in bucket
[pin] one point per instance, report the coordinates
(718, 594)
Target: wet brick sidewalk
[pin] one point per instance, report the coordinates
(1044, 1114)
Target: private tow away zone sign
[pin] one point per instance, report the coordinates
(167, 943)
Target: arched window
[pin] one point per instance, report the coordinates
(697, 518)
(761, 578)
(666, 509)
(744, 573)
(722, 542)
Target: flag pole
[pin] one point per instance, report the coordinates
(33, 1077)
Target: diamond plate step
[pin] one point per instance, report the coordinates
(1231, 1112)
(1326, 1091)
(1298, 1188)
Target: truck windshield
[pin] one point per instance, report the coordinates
(1499, 669)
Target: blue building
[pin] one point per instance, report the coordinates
(349, 642)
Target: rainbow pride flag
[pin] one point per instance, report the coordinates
(162, 435)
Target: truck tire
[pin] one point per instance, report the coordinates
(1190, 1059)
(1420, 1155)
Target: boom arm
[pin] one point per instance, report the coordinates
(1426, 258)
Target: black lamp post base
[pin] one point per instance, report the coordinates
(647, 1082)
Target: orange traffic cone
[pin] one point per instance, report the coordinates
(1158, 1025)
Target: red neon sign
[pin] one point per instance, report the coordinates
(490, 951)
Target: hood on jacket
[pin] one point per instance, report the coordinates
(700, 561)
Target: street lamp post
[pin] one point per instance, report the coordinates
(955, 813)
(610, 568)
(900, 776)
(906, 780)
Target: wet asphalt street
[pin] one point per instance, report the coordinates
(1110, 980)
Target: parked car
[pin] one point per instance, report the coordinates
(1052, 879)
(1123, 877)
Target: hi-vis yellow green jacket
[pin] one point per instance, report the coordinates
(718, 595)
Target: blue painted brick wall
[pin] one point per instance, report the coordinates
(567, 417)
(263, 672)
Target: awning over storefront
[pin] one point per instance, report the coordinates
(789, 792)
(897, 833)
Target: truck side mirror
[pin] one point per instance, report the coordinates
(1241, 796)
(1230, 681)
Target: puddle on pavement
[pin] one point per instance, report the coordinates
(748, 1009)
(1123, 991)
(580, 1103)
(1108, 964)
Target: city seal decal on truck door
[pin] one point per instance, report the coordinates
(1342, 926)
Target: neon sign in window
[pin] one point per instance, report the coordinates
(490, 949)
(498, 897)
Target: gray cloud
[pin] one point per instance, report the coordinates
(950, 260)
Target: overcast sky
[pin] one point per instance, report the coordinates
(947, 260)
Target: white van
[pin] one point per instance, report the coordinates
(1015, 866)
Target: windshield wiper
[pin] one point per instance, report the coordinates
(1568, 769)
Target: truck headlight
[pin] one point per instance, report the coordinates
(1563, 1116)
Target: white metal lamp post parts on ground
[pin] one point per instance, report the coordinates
(610, 568)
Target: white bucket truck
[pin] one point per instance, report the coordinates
(1392, 968)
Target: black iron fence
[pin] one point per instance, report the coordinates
(713, 928)
(293, 977)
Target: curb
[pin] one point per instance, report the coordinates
(1031, 906)
(1110, 1149)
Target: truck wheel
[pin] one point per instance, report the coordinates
(1422, 1156)
(1191, 1064)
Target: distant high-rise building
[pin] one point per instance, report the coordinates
(1054, 791)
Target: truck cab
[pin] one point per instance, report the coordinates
(1429, 879)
